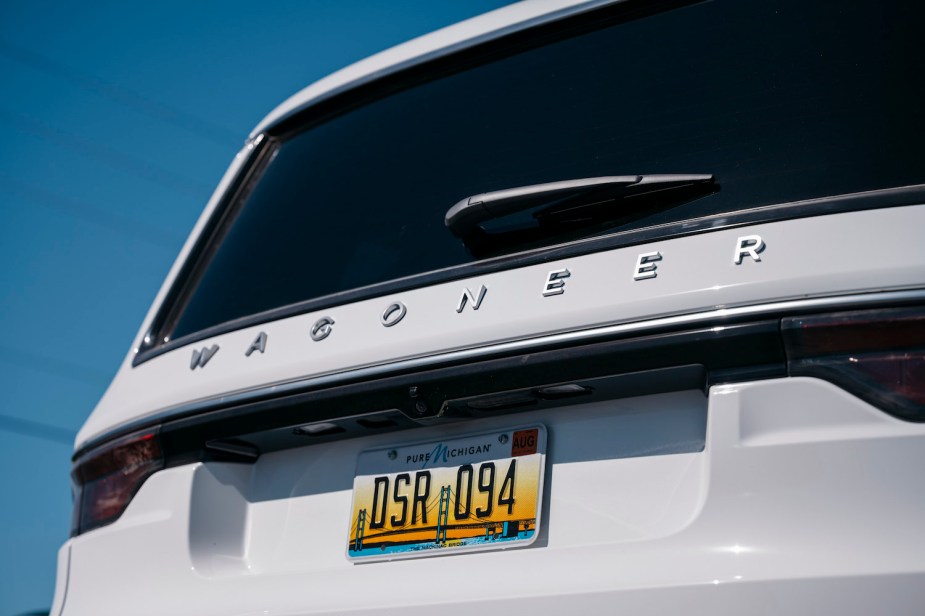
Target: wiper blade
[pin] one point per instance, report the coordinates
(570, 207)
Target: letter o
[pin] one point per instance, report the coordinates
(392, 315)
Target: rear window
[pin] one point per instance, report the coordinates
(780, 100)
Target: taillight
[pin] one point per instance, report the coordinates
(106, 478)
(878, 355)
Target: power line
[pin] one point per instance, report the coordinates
(37, 429)
(113, 158)
(151, 234)
(123, 96)
(52, 365)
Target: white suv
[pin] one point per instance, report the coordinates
(606, 307)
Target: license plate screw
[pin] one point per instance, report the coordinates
(392, 454)
(502, 439)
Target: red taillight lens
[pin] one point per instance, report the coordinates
(878, 355)
(106, 478)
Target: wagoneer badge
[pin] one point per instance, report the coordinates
(645, 267)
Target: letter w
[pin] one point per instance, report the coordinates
(202, 357)
(467, 295)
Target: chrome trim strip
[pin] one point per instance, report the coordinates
(377, 370)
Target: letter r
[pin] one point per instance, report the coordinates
(749, 245)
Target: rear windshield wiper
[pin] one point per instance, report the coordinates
(568, 209)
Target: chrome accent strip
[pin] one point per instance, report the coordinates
(376, 370)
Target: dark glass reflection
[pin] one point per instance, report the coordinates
(781, 100)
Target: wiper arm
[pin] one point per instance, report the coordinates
(570, 206)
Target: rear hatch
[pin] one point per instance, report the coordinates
(326, 315)
(629, 371)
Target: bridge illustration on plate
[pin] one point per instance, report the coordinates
(470, 531)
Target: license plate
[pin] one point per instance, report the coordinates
(476, 492)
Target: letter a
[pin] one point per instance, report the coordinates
(259, 344)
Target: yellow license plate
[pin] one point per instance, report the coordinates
(475, 492)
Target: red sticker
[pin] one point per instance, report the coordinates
(525, 442)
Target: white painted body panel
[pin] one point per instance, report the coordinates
(765, 519)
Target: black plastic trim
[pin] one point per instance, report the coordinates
(727, 348)
(662, 362)
(204, 247)
(739, 363)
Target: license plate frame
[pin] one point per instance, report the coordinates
(475, 492)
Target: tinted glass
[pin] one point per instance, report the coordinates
(782, 101)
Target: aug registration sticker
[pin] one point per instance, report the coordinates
(475, 492)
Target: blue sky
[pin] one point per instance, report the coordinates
(118, 119)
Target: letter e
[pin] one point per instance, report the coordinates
(646, 266)
(555, 283)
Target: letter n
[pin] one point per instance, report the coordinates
(467, 295)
